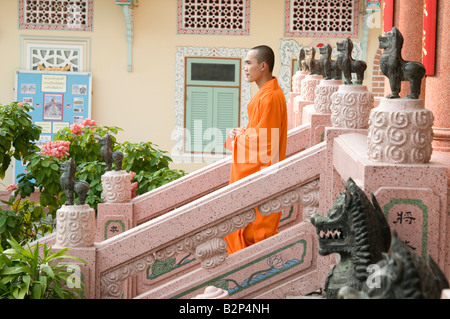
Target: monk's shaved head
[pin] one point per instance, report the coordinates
(265, 54)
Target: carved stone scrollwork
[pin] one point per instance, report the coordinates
(209, 245)
(322, 99)
(307, 195)
(400, 131)
(310, 199)
(112, 283)
(116, 187)
(351, 106)
(297, 81)
(308, 87)
(75, 226)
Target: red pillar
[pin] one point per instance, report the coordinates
(437, 94)
(407, 18)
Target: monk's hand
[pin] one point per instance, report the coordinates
(235, 132)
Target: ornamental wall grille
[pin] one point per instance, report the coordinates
(215, 17)
(322, 18)
(76, 15)
(56, 58)
(71, 54)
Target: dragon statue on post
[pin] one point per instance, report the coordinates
(401, 275)
(356, 229)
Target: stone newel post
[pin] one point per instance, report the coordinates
(351, 106)
(75, 226)
(400, 132)
(116, 187)
(75, 222)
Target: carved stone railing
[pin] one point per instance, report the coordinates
(124, 216)
(200, 226)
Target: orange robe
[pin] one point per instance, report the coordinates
(260, 145)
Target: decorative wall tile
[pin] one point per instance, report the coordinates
(218, 17)
(74, 15)
(321, 18)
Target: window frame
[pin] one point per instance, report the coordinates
(236, 84)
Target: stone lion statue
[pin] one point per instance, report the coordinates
(330, 68)
(70, 185)
(396, 69)
(348, 65)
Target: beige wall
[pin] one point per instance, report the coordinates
(142, 101)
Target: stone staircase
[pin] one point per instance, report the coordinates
(169, 243)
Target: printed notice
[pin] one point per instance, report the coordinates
(45, 126)
(59, 125)
(54, 83)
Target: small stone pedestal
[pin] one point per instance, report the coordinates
(116, 187)
(75, 226)
(295, 94)
(400, 132)
(319, 113)
(351, 106)
(323, 92)
(308, 87)
(306, 97)
(297, 81)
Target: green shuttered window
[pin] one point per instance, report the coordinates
(212, 103)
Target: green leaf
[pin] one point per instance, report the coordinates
(48, 270)
(2, 219)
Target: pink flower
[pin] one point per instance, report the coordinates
(89, 122)
(76, 129)
(58, 149)
(132, 174)
(12, 187)
(133, 189)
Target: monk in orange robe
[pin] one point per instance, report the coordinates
(261, 144)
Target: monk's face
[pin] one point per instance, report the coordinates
(253, 69)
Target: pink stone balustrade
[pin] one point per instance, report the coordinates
(199, 227)
(175, 194)
(191, 217)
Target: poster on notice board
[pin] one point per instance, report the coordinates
(59, 99)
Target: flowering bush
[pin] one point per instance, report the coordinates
(17, 134)
(81, 143)
(12, 187)
(58, 149)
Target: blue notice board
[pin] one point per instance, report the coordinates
(59, 99)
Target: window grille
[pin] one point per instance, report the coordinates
(56, 58)
(219, 17)
(74, 15)
(321, 18)
(55, 52)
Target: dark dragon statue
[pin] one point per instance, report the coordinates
(108, 155)
(396, 69)
(401, 275)
(70, 185)
(356, 229)
(330, 68)
(348, 65)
